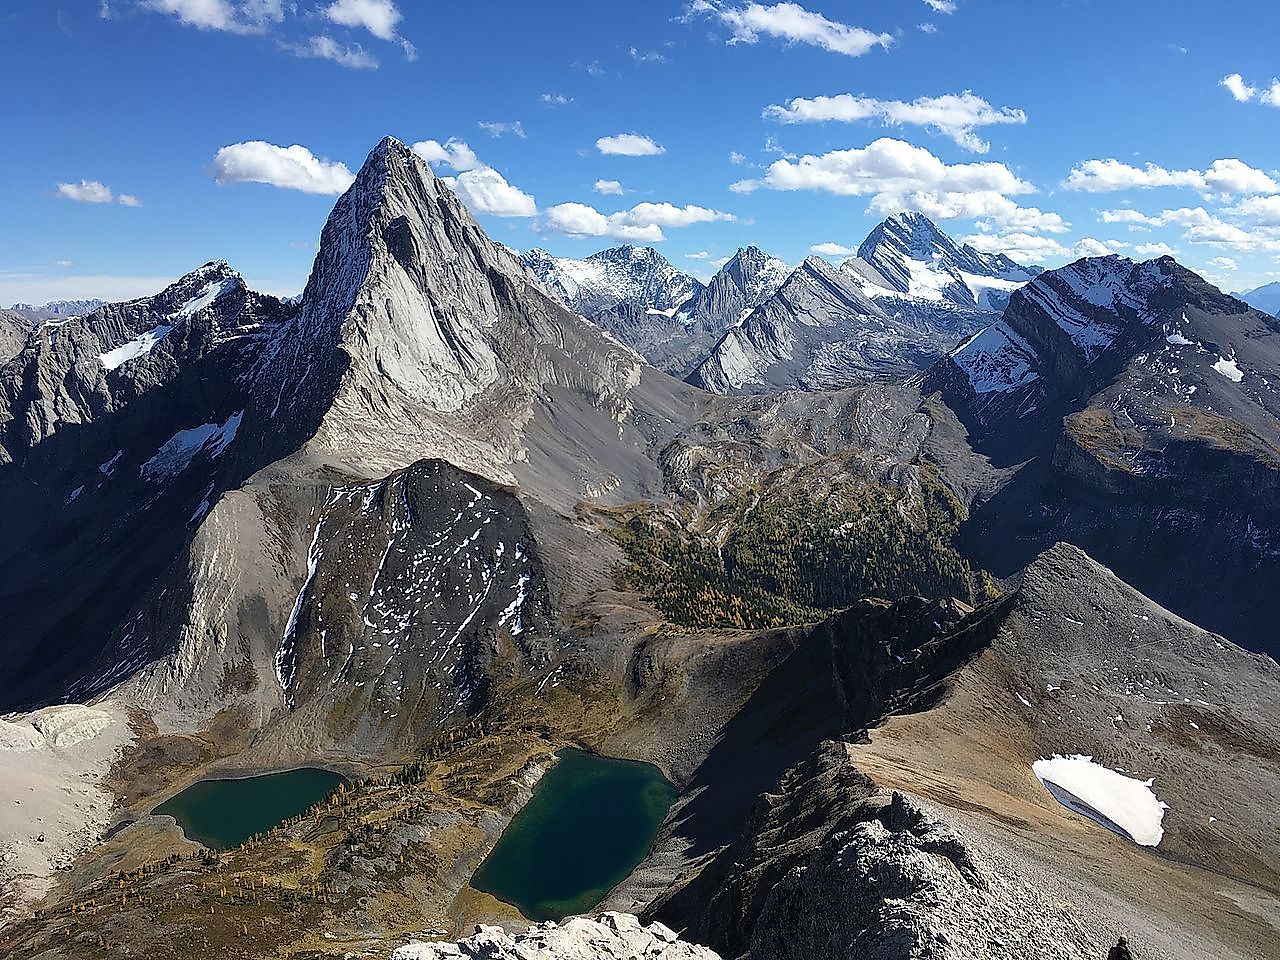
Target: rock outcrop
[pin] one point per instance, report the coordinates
(610, 936)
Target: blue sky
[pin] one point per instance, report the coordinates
(138, 133)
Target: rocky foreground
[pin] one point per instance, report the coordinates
(610, 936)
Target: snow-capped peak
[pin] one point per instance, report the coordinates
(909, 256)
(639, 276)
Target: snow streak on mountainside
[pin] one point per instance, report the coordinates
(676, 339)
(639, 276)
(1147, 403)
(908, 255)
(908, 297)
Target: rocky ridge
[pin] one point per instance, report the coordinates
(610, 936)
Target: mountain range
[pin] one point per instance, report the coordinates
(849, 552)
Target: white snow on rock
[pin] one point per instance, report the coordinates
(180, 449)
(610, 936)
(996, 360)
(139, 346)
(145, 342)
(1228, 367)
(1123, 805)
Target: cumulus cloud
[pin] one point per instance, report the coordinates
(245, 16)
(555, 100)
(1222, 176)
(941, 6)
(453, 153)
(581, 220)
(1244, 93)
(953, 115)
(482, 188)
(379, 17)
(629, 145)
(1225, 264)
(86, 191)
(352, 56)
(129, 200)
(885, 167)
(1256, 223)
(832, 250)
(608, 187)
(1157, 249)
(1260, 211)
(485, 190)
(1032, 249)
(290, 168)
(643, 222)
(791, 22)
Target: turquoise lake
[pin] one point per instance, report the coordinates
(223, 814)
(590, 822)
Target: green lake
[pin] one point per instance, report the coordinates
(590, 822)
(223, 814)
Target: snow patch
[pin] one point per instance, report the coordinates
(1229, 369)
(1123, 805)
(182, 448)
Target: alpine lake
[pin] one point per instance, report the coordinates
(222, 814)
(590, 821)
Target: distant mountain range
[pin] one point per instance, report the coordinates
(55, 309)
(909, 295)
(1265, 298)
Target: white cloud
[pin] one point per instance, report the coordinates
(1238, 88)
(1155, 250)
(581, 220)
(1225, 264)
(1022, 247)
(482, 188)
(500, 128)
(1244, 93)
(86, 191)
(129, 200)
(290, 168)
(793, 23)
(485, 190)
(555, 100)
(736, 158)
(608, 187)
(952, 115)
(1227, 176)
(1260, 211)
(832, 250)
(643, 222)
(1258, 227)
(1132, 218)
(885, 167)
(629, 145)
(941, 6)
(353, 57)
(452, 153)
(699, 255)
(246, 16)
(899, 176)
(1091, 247)
(63, 263)
(379, 17)
(669, 215)
(928, 28)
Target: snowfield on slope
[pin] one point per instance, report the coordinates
(1122, 804)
